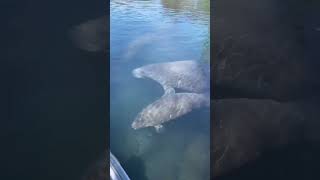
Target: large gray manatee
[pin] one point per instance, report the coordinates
(169, 107)
(189, 76)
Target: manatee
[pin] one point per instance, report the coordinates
(187, 75)
(170, 106)
(139, 42)
(91, 35)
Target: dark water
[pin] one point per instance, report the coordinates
(53, 94)
(153, 31)
(297, 160)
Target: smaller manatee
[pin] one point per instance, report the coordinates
(169, 107)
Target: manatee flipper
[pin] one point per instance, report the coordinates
(159, 128)
(168, 90)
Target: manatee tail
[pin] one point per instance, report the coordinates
(191, 102)
(206, 99)
(91, 35)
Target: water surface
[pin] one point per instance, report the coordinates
(153, 31)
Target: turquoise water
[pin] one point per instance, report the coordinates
(153, 31)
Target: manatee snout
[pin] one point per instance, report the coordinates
(137, 73)
(136, 124)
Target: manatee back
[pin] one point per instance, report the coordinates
(185, 75)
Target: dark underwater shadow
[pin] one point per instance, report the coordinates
(54, 92)
(290, 162)
(280, 33)
(135, 168)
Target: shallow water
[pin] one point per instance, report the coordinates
(145, 32)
